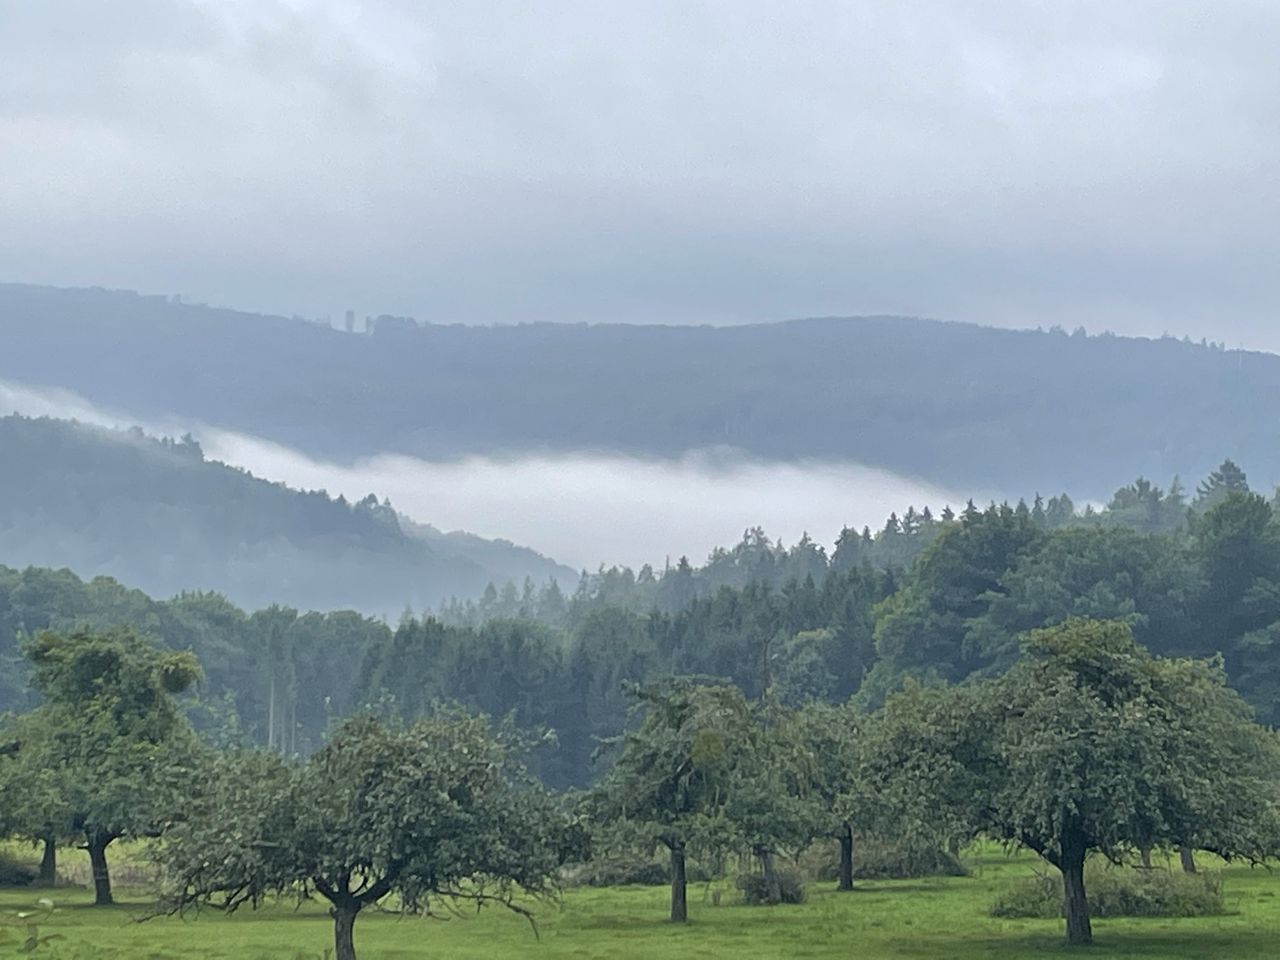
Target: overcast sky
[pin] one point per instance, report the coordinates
(1111, 164)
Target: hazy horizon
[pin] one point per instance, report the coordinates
(1100, 166)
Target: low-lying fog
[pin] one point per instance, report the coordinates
(581, 509)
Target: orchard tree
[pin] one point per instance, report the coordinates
(771, 800)
(438, 812)
(670, 783)
(1104, 747)
(33, 803)
(111, 754)
(830, 740)
(926, 759)
(1092, 744)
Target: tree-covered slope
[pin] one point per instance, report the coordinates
(157, 514)
(969, 407)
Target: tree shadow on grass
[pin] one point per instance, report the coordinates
(1165, 943)
(891, 888)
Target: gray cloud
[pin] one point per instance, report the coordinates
(1021, 163)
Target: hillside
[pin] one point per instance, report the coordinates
(158, 515)
(969, 407)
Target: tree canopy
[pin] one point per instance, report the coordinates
(437, 812)
(1093, 744)
(108, 754)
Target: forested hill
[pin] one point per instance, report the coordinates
(158, 515)
(938, 598)
(965, 406)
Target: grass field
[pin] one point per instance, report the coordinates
(943, 918)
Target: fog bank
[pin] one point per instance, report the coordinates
(581, 509)
(584, 510)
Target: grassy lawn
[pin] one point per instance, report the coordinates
(944, 918)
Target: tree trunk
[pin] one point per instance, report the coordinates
(271, 711)
(344, 922)
(1188, 858)
(1074, 902)
(772, 882)
(49, 863)
(679, 898)
(97, 847)
(846, 858)
(1144, 853)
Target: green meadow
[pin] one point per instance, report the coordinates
(930, 918)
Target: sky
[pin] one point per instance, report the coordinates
(1111, 165)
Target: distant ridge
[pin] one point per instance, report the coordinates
(964, 406)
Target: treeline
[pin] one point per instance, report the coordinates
(758, 560)
(1192, 576)
(276, 676)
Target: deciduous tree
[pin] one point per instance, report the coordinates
(112, 753)
(670, 783)
(440, 811)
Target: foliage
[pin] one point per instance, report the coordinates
(108, 755)
(923, 630)
(1093, 744)
(623, 871)
(673, 780)
(1118, 892)
(435, 813)
(14, 872)
(890, 858)
(620, 872)
(757, 891)
(770, 802)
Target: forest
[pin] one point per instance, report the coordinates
(967, 407)
(943, 597)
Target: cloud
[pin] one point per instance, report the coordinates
(587, 510)
(582, 510)
(1097, 163)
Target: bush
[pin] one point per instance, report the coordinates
(14, 873)
(754, 893)
(618, 873)
(1118, 892)
(875, 858)
(622, 872)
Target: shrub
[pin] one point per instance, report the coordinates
(876, 858)
(1118, 892)
(14, 873)
(754, 893)
(617, 873)
(623, 871)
